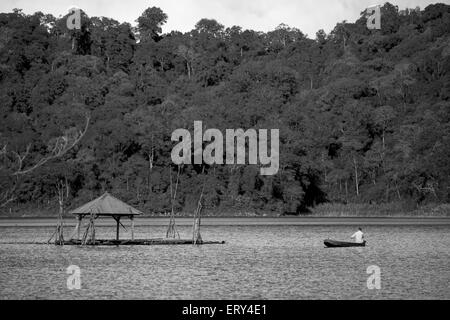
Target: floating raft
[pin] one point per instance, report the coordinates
(146, 242)
(139, 242)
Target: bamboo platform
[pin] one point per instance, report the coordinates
(139, 242)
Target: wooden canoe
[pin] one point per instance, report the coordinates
(342, 244)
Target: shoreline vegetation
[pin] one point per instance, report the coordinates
(327, 210)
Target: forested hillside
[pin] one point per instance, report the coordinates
(364, 115)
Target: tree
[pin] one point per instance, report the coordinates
(150, 23)
(210, 27)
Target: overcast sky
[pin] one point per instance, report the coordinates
(261, 15)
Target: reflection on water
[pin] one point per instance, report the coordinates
(257, 262)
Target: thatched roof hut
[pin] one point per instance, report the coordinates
(107, 206)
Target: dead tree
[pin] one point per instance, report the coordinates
(189, 56)
(60, 226)
(62, 188)
(172, 231)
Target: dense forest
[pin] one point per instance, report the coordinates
(364, 115)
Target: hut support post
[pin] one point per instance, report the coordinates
(92, 227)
(132, 227)
(79, 218)
(118, 225)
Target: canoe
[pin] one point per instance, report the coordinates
(341, 244)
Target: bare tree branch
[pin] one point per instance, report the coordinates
(21, 158)
(8, 195)
(6, 200)
(62, 145)
(59, 148)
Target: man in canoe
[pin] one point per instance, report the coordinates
(359, 236)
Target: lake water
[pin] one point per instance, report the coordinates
(257, 262)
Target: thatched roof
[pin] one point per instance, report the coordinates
(106, 205)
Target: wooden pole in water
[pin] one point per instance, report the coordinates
(196, 237)
(171, 230)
